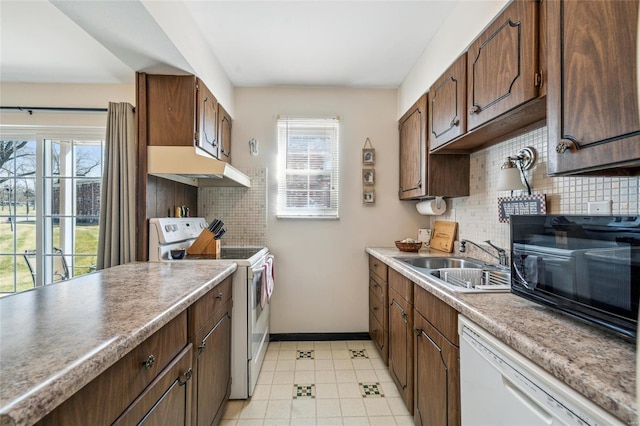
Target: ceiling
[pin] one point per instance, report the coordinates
(258, 43)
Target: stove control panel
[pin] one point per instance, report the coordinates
(175, 229)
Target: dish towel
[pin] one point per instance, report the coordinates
(268, 282)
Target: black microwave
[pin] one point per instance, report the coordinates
(584, 266)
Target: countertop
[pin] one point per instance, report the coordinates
(56, 339)
(596, 363)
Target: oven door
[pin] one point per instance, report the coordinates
(258, 323)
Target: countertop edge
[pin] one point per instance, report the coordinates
(602, 394)
(32, 406)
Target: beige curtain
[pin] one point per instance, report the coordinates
(117, 239)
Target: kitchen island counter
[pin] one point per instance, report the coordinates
(593, 362)
(56, 339)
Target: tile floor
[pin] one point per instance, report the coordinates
(321, 384)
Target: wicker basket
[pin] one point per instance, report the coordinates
(410, 247)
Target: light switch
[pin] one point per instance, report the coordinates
(599, 207)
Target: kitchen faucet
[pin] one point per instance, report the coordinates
(502, 254)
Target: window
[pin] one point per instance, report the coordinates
(49, 207)
(308, 167)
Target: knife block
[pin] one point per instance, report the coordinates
(205, 244)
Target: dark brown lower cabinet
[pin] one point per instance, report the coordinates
(107, 397)
(437, 361)
(167, 400)
(401, 346)
(437, 390)
(212, 382)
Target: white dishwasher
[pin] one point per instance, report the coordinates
(500, 387)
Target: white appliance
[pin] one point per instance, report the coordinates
(249, 321)
(500, 387)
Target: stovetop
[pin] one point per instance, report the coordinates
(227, 253)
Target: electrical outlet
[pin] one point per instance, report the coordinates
(599, 207)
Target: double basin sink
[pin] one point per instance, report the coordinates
(461, 275)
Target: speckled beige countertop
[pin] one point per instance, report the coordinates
(595, 363)
(56, 339)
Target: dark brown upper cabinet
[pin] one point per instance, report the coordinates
(502, 64)
(505, 89)
(181, 111)
(593, 119)
(207, 113)
(424, 175)
(224, 134)
(413, 152)
(448, 104)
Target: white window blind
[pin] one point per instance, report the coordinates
(308, 167)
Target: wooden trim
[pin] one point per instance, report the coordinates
(142, 249)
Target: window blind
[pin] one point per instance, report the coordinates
(308, 167)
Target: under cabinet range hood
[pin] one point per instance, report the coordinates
(186, 165)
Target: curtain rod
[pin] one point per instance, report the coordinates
(66, 109)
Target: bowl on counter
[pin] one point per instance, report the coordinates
(409, 247)
(178, 253)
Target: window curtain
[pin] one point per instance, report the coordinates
(117, 238)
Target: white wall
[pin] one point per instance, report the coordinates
(321, 266)
(457, 32)
(61, 95)
(177, 23)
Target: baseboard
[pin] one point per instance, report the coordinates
(317, 337)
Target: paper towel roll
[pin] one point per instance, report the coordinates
(436, 206)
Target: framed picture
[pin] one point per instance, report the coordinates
(368, 176)
(368, 156)
(369, 196)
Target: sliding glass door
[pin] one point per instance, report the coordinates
(49, 206)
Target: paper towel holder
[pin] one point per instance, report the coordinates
(427, 207)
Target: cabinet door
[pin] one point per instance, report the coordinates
(224, 136)
(413, 154)
(167, 400)
(502, 64)
(437, 375)
(171, 111)
(401, 346)
(448, 104)
(213, 370)
(593, 94)
(207, 112)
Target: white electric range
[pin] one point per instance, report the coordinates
(249, 320)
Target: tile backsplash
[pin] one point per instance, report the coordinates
(477, 215)
(243, 210)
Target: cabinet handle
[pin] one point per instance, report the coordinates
(563, 146)
(455, 122)
(404, 316)
(374, 308)
(219, 296)
(375, 265)
(185, 377)
(416, 331)
(474, 110)
(149, 362)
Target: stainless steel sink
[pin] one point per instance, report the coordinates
(461, 275)
(440, 262)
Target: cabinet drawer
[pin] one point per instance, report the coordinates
(378, 287)
(402, 285)
(378, 267)
(442, 316)
(119, 385)
(167, 400)
(207, 306)
(376, 307)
